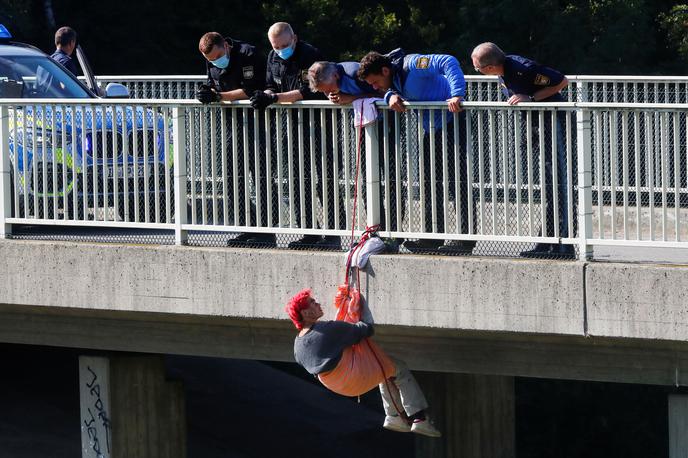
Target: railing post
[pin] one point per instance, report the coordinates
(180, 174)
(584, 183)
(372, 148)
(5, 182)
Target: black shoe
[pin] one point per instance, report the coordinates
(240, 240)
(540, 250)
(457, 247)
(263, 240)
(307, 241)
(253, 239)
(392, 245)
(564, 251)
(419, 246)
(331, 242)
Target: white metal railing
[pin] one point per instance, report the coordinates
(479, 88)
(575, 173)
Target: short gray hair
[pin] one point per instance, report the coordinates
(488, 54)
(279, 28)
(321, 72)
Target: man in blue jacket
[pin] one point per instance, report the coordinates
(428, 77)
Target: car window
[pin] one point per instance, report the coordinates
(37, 77)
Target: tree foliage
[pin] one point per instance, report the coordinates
(575, 36)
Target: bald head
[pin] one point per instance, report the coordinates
(486, 54)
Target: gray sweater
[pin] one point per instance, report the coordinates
(320, 349)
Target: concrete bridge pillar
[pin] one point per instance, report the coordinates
(129, 409)
(476, 414)
(678, 426)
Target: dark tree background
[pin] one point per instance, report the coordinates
(578, 37)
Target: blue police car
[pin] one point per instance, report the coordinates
(68, 159)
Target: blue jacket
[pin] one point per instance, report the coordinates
(425, 77)
(66, 61)
(349, 82)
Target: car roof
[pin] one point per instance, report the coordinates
(20, 49)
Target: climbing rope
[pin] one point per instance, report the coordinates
(369, 231)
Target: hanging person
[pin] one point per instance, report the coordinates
(339, 354)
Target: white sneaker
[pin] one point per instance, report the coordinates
(396, 423)
(425, 428)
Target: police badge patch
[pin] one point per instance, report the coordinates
(423, 62)
(248, 72)
(541, 80)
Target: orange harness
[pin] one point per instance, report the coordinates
(363, 366)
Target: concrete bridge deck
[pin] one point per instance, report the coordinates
(573, 320)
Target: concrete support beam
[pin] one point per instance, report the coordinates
(476, 414)
(129, 410)
(678, 426)
(527, 355)
(148, 413)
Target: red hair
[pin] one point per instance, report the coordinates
(297, 303)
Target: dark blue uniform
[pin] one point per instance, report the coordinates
(292, 74)
(66, 61)
(525, 76)
(245, 71)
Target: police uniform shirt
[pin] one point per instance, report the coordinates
(66, 61)
(292, 74)
(525, 76)
(245, 70)
(349, 82)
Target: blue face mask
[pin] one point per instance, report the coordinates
(285, 53)
(221, 62)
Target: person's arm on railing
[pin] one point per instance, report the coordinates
(447, 66)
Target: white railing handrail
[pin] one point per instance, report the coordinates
(327, 104)
(626, 160)
(486, 78)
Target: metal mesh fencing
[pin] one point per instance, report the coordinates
(160, 87)
(479, 88)
(485, 173)
(287, 170)
(639, 175)
(494, 178)
(90, 163)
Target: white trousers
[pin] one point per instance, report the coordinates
(402, 392)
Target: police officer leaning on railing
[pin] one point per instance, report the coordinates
(235, 70)
(286, 81)
(524, 80)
